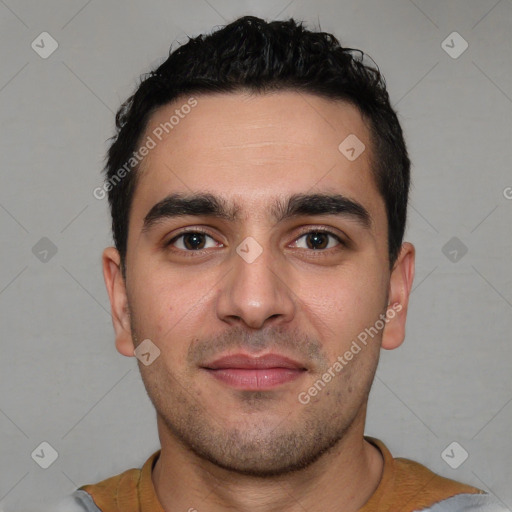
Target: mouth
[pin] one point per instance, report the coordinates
(242, 371)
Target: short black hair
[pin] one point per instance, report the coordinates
(251, 54)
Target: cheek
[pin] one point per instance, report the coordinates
(168, 305)
(343, 304)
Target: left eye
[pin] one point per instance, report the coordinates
(319, 240)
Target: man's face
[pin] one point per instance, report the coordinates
(255, 280)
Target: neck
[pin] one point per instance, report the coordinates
(341, 480)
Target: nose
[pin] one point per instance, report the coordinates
(256, 293)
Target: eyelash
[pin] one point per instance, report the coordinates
(342, 243)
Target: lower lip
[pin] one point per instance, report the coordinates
(255, 379)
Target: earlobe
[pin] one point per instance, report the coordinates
(400, 284)
(116, 288)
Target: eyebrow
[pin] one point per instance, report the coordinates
(205, 204)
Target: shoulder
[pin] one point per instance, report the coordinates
(79, 501)
(119, 492)
(114, 493)
(100, 496)
(415, 478)
(465, 502)
(422, 488)
(409, 485)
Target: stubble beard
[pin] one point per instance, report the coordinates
(258, 446)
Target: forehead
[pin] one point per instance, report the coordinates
(254, 148)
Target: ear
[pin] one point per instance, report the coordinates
(400, 285)
(116, 289)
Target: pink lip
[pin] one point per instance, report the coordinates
(255, 373)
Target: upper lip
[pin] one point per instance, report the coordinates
(245, 361)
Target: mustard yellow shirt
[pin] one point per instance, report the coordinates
(405, 486)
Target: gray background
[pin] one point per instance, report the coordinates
(62, 380)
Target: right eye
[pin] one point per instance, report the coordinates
(192, 240)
